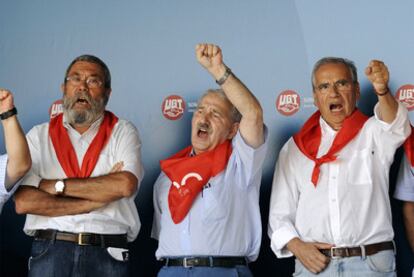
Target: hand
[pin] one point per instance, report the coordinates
(6, 100)
(211, 58)
(117, 167)
(378, 75)
(309, 255)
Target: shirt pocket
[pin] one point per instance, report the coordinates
(359, 167)
(213, 208)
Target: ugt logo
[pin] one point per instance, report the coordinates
(405, 95)
(173, 107)
(288, 102)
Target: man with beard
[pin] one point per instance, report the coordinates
(330, 206)
(79, 194)
(206, 199)
(16, 162)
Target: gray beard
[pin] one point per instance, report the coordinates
(85, 117)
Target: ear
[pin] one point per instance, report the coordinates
(234, 129)
(357, 92)
(315, 100)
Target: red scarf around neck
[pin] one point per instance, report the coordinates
(308, 139)
(409, 147)
(66, 153)
(189, 175)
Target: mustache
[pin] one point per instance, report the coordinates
(204, 126)
(80, 95)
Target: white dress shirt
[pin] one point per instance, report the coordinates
(118, 217)
(350, 204)
(4, 194)
(224, 219)
(405, 182)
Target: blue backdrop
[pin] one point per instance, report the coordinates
(149, 48)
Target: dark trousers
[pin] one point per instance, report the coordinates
(61, 259)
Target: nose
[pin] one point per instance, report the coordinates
(83, 86)
(333, 92)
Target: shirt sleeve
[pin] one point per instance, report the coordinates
(32, 178)
(283, 203)
(128, 150)
(390, 136)
(3, 166)
(249, 160)
(156, 221)
(405, 182)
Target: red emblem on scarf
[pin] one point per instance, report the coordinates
(66, 153)
(189, 174)
(308, 139)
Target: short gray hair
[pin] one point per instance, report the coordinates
(95, 60)
(327, 60)
(234, 112)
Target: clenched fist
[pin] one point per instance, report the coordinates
(6, 100)
(211, 58)
(378, 75)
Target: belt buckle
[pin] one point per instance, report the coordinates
(333, 256)
(80, 242)
(185, 265)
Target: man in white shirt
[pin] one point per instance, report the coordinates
(206, 199)
(404, 190)
(79, 194)
(330, 206)
(16, 162)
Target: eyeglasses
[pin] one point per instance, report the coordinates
(340, 85)
(91, 81)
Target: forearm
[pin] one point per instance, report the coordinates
(388, 107)
(30, 200)
(19, 160)
(251, 125)
(106, 188)
(408, 212)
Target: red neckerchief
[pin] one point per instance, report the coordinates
(66, 153)
(308, 139)
(409, 147)
(189, 174)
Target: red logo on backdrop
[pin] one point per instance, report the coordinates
(173, 107)
(288, 102)
(56, 108)
(405, 95)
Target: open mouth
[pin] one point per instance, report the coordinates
(202, 132)
(335, 107)
(82, 101)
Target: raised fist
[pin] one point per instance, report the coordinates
(378, 75)
(6, 100)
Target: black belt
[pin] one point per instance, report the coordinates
(119, 241)
(206, 261)
(363, 250)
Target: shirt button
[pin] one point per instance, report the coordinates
(333, 177)
(333, 200)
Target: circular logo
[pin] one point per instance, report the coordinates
(405, 95)
(288, 102)
(173, 107)
(56, 108)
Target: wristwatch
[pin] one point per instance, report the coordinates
(59, 187)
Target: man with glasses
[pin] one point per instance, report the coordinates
(329, 205)
(79, 194)
(16, 162)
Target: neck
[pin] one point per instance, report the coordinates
(81, 128)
